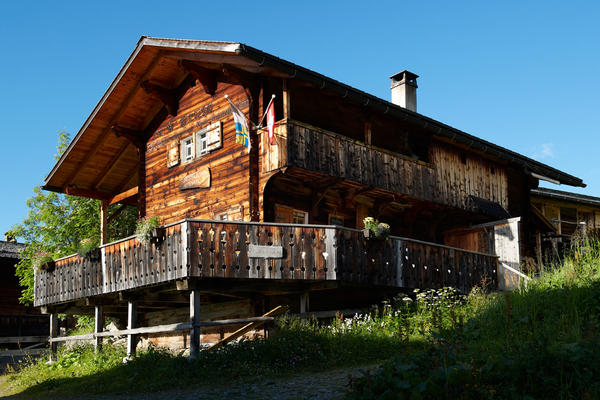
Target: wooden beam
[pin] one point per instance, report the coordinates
(206, 77)
(24, 339)
(103, 221)
(194, 319)
(304, 302)
(252, 325)
(252, 90)
(53, 334)
(123, 195)
(142, 182)
(98, 326)
(133, 135)
(116, 213)
(91, 194)
(286, 100)
(167, 96)
(97, 145)
(367, 132)
(111, 165)
(131, 323)
(239, 76)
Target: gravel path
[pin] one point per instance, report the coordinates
(322, 385)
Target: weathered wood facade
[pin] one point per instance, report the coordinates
(163, 138)
(562, 216)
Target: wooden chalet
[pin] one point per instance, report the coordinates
(245, 230)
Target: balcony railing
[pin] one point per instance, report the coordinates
(249, 250)
(444, 180)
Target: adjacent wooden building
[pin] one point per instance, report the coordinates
(19, 324)
(280, 222)
(566, 216)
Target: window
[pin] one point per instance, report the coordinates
(299, 217)
(208, 139)
(201, 143)
(187, 149)
(222, 217)
(289, 215)
(336, 220)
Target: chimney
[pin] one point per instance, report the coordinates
(404, 90)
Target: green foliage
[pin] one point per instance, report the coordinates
(537, 342)
(56, 224)
(144, 228)
(380, 230)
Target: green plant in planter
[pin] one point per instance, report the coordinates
(379, 230)
(42, 260)
(88, 248)
(145, 228)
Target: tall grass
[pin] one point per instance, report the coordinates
(537, 342)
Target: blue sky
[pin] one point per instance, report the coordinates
(524, 75)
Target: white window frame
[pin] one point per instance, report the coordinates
(201, 139)
(187, 143)
(297, 213)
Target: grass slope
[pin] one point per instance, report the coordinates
(537, 342)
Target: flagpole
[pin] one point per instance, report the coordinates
(266, 111)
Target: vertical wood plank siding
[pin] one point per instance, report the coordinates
(210, 249)
(446, 179)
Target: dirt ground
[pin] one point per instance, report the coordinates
(323, 385)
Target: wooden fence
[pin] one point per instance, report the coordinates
(210, 249)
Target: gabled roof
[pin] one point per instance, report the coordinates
(99, 162)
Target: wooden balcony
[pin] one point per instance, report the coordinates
(446, 179)
(206, 249)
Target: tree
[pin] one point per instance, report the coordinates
(56, 224)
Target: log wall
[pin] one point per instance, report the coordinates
(228, 166)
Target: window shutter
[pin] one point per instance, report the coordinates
(214, 136)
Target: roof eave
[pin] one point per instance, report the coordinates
(208, 46)
(386, 107)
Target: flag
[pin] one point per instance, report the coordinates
(271, 122)
(242, 135)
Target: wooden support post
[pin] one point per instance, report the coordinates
(141, 182)
(367, 132)
(304, 303)
(286, 100)
(98, 326)
(103, 221)
(253, 94)
(131, 323)
(53, 334)
(538, 250)
(194, 319)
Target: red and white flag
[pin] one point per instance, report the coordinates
(271, 122)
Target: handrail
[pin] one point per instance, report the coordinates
(181, 326)
(252, 223)
(514, 271)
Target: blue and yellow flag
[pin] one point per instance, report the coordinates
(242, 135)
